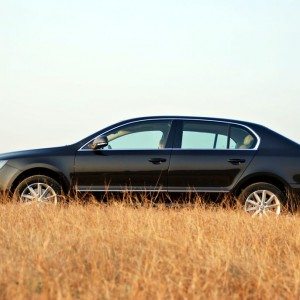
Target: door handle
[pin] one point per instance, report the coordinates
(236, 161)
(157, 161)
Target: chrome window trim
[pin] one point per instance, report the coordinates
(124, 124)
(175, 119)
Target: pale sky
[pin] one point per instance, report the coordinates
(69, 68)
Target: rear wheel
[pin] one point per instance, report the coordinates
(261, 199)
(38, 189)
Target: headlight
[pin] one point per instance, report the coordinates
(2, 163)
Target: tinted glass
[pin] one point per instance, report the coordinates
(140, 140)
(204, 135)
(140, 135)
(196, 140)
(221, 141)
(240, 138)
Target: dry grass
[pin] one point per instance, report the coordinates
(117, 250)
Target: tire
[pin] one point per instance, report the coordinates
(39, 189)
(262, 198)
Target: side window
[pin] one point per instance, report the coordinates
(240, 138)
(204, 135)
(140, 140)
(140, 135)
(221, 141)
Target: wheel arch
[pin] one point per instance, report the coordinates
(266, 177)
(57, 176)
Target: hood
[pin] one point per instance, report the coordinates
(65, 150)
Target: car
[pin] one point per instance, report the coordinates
(173, 154)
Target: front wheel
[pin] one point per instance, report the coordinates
(262, 198)
(38, 189)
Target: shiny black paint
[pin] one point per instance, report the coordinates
(119, 169)
(277, 158)
(58, 160)
(206, 169)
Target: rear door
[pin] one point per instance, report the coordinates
(209, 156)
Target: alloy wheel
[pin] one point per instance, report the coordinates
(262, 202)
(39, 193)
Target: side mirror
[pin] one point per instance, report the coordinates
(100, 142)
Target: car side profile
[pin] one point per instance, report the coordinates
(163, 154)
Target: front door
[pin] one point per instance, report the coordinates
(137, 158)
(209, 156)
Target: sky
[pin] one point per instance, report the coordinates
(70, 68)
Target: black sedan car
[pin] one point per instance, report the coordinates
(163, 154)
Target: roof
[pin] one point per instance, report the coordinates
(193, 117)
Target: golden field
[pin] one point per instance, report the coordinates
(125, 251)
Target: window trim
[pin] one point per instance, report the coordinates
(170, 136)
(174, 129)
